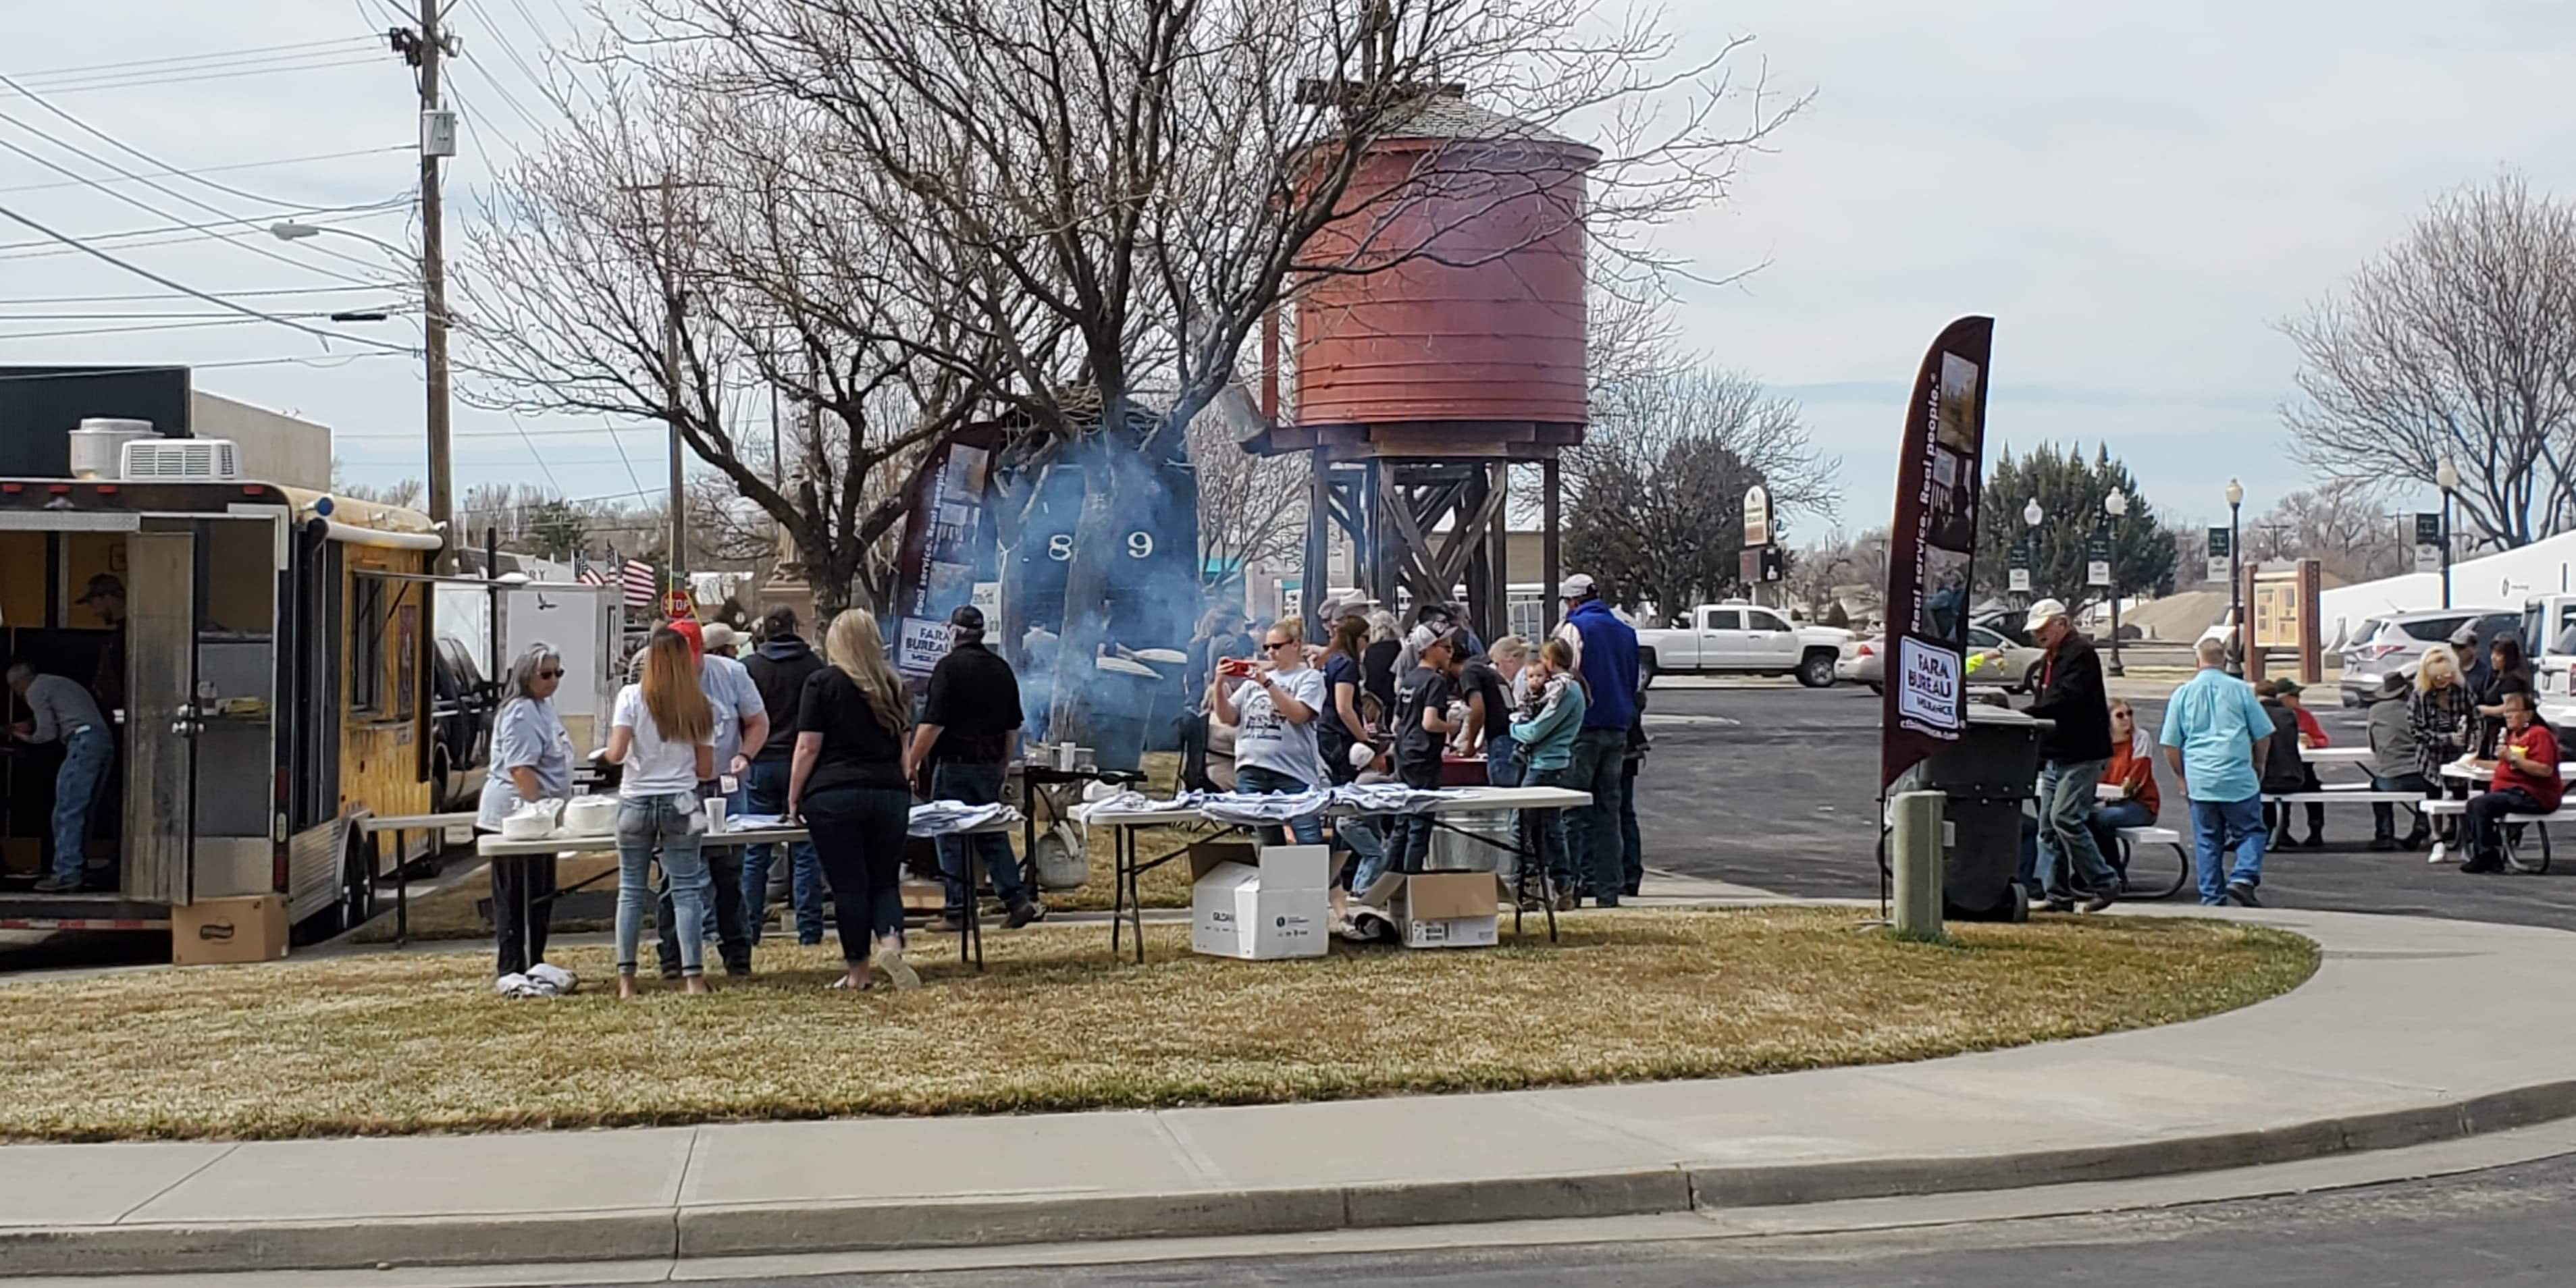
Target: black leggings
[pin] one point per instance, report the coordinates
(527, 880)
(858, 834)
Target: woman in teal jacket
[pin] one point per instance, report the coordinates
(1551, 718)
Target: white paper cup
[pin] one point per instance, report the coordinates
(715, 814)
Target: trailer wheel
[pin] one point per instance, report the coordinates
(357, 881)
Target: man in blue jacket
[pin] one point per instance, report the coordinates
(1606, 653)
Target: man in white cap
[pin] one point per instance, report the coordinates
(1606, 654)
(2072, 754)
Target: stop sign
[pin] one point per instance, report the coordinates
(676, 605)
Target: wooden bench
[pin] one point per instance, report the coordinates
(2131, 837)
(2512, 832)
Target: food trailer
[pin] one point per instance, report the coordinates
(269, 686)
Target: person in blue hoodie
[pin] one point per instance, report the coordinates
(1606, 653)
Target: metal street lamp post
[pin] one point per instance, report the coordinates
(2235, 579)
(2114, 506)
(2448, 477)
(2031, 514)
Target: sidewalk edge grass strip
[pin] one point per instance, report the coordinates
(417, 1042)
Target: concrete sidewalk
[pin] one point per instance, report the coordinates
(2413, 1030)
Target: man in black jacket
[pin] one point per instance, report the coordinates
(779, 668)
(970, 723)
(2072, 756)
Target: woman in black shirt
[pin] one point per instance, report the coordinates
(1377, 664)
(847, 781)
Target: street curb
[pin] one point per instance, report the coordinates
(768, 1230)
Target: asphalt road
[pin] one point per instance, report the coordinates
(1777, 787)
(2506, 1228)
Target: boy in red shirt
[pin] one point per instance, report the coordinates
(2526, 782)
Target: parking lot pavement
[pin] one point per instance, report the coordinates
(1786, 800)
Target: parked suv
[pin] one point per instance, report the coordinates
(2396, 642)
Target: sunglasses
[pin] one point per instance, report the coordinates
(549, 675)
(1279, 644)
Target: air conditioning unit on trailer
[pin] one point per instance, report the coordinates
(182, 460)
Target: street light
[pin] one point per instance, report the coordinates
(2114, 506)
(433, 277)
(2031, 514)
(2235, 579)
(2448, 478)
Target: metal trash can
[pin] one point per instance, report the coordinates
(1451, 852)
(1986, 776)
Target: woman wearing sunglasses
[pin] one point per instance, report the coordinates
(1273, 703)
(531, 760)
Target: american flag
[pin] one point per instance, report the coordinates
(643, 585)
(592, 575)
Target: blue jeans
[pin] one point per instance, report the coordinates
(2066, 848)
(1632, 843)
(764, 791)
(859, 834)
(1547, 832)
(2218, 827)
(643, 823)
(1502, 761)
(2108, 819)
(1592, 835)
(1257, 781)
(975, 785)
(1368, 847)
(86, 758)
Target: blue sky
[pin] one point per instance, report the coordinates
(2137, 193)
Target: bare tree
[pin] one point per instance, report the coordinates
(405, 492)
(1659, 483)
(2340, 524)
(1121, 189)
(1251, 508)
(666, 258)
(2458, 344)
(1850, 571)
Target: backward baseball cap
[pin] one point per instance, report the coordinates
(106, 583)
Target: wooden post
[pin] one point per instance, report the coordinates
(1552, 558)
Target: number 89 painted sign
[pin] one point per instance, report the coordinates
(1140, 545)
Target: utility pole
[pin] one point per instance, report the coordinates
(671, 300)
(423, 50)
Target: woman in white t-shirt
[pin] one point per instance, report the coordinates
(663, 732)
(1273, 711)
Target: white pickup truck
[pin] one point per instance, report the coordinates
(1742, 639)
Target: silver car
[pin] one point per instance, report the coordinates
(1993, 662)
(2396, 642)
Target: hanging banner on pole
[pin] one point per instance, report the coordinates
(2221, 542)
(1932, 547)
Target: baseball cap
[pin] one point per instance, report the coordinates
(689, 630)
(1578, 586)
(967, 616)
(2042, 611)
(105, 583)
(717, 635)
(2287, 685)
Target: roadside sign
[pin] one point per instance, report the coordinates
(2217, 568)
(2097, 562)
(1757, 517)
(2428, 527)
(2021, 580)
(2428, 558)
(2222, 542)
(676, 605)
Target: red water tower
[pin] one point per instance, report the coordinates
(1439, 339)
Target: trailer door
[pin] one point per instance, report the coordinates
(160, 722)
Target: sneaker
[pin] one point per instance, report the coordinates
(2483, 867)
(2383, 845)
(2315, 841)
(2057, 905)
(1606, 901)
(2441, 851)
(2098, 903)
(2243, 893)
(890, 960)
(1566, 902)
(2285, 842)
(1024, 913)
(952, 922)
(57, 885)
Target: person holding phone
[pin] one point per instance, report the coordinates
(1274, 708)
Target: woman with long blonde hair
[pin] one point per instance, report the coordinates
(2443, 717)
(663, 733)
(847, 781)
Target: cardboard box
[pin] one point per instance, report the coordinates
(212, 932)
(1441, 909)
(22, 854)
(1271, 908)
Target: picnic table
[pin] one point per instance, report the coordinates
(1127, 905)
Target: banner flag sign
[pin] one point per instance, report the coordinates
(2097, 562)
(2021, 581)
(2221, 542)
(1932, 547)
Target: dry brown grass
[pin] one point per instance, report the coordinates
(417, 1042)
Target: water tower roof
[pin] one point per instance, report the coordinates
(1444, 114)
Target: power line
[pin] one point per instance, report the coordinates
(244, 309)
(148, 159)
(213, 169)
(532, 451)
(244, 221)
(146, 296)
(137, 202)
(147, 315)
(155, 82)
(329, 363)
(217, 56)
